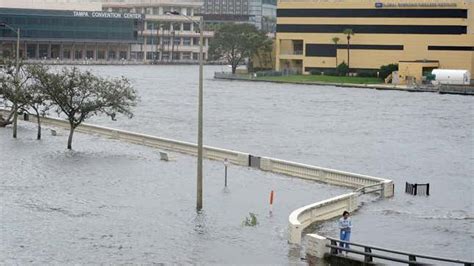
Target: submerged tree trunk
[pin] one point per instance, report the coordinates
(5, 122)
(69, 141)
(38, 136)
(234, 69)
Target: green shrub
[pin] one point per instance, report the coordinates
(367, 73)
(251, 220)
(342, 69)
(331, 72)
(386, 70)
(315, 72)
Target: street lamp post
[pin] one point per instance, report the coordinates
(200, 107)
(17, 63)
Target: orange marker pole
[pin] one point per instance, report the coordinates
(271, 201)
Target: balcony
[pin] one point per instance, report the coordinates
(291, 48)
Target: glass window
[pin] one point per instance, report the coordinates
(186, 41)
(186, 26)
(90, 54)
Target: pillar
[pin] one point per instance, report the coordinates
(49, 51)
(107, 52)
(25, 53)
(317, 246)
(96, 51)
(145, 46)
(61, 51)
(129, 51)
(37, 51)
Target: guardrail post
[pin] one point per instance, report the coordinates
(368, 258)
(334, 250)
(412, 258)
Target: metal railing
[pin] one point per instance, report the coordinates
(369, 255)
(417, 189)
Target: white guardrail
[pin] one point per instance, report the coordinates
(298, 219)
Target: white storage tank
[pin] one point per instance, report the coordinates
(452, 76)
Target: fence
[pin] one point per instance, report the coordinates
(371, 252)
(417, 189)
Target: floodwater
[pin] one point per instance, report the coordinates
(414, 137)
(108, 202)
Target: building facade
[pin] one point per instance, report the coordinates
(68, 35)
(165, 38)
(261, 13)
(424, 33)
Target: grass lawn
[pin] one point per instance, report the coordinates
(328, 79)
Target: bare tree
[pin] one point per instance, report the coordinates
(12, 80)
(33, 97)
(80, 95)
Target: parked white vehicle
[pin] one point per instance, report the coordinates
(451, 76)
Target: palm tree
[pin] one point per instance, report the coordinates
(348, 33)
(335, 40)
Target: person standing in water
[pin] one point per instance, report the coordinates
(345, 226)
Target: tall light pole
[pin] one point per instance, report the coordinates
(17, 63)
(200, 107)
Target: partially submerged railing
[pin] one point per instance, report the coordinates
(371, 252)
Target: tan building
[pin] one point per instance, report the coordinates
(419, 35)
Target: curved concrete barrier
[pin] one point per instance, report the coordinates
(324, 210)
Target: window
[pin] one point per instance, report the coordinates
(186, 26)
(89, 54)
(101, 54)
(187, 41)
(177, 41)
(111, 55)
(186, 56)
(78, 55)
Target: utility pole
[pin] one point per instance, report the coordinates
(200, 115)
(200, 107)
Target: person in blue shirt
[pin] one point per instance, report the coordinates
(345, 226)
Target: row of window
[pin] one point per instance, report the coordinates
(176, 56)
(168, 26)
(330, 50)
(32, 26)
(154, 10)
(372, 29)
(373, 13)
(186, 41)
(59, 34)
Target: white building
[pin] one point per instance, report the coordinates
(165, 38)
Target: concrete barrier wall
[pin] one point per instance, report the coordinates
(318, 212)
(238, 158)
(329, 176)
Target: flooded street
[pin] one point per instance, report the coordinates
(111, 202)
